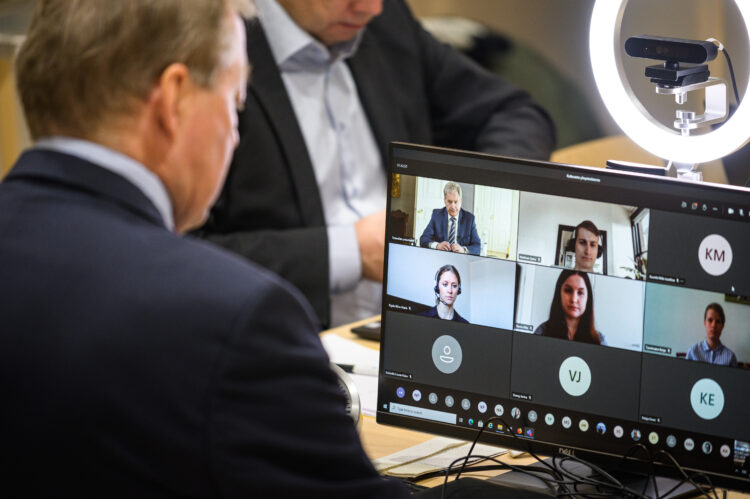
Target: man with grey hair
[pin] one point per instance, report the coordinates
(452, 228)
(134, 362)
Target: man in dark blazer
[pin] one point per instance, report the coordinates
(281, 206)
(452, 228)
(134, 362)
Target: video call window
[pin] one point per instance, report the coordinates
(590, 308)
(591, 236)
(449, 286)
(486, 218)
(702, 326)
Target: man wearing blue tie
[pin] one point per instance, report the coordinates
(451, 228)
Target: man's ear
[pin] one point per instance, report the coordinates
(170, 98)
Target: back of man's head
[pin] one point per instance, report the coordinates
(85, 61)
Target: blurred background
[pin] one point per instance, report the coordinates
(541, 45)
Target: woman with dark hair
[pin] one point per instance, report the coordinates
(447, 288)
(571, 315)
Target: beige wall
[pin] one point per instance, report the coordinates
(12, 131)
(558, 30)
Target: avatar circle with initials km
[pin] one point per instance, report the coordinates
(575, 376)
(715, 255)
(446, 354)
(707, 398)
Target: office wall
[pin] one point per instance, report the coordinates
(558, 30)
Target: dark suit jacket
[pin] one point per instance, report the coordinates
(136, 363)
(433, 313)
(412, 88)
(437, 230)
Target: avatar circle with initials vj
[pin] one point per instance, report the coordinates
(575, 376)
(707, 398)
(446, 354)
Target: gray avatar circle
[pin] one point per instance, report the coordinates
(446, 354)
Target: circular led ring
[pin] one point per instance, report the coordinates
(629, 113)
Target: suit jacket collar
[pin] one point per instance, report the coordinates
(269, 90)
(376, 89)
(76, 173)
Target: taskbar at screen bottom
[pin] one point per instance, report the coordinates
(522, 425)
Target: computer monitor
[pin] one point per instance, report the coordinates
(599, 313)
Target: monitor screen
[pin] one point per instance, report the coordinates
(593, 311)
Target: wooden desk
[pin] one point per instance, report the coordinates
(620, 147)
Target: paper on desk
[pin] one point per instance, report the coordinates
(433, 455)
(343, 351)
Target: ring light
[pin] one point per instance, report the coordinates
(633, 118)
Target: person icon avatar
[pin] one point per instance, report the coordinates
(452, 228)
(586, 243)
(712, 350)
(571, 314)
(446, 357)
(447, 288)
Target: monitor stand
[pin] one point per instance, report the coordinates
(632, 481)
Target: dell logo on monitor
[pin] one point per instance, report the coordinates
(566, 451)
(715, 255)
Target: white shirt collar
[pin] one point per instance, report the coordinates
(128, 168)
(291, 45)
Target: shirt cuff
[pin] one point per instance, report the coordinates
(433, 245)
(344, 261)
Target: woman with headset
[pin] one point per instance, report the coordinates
(447, 288)
(571, 314)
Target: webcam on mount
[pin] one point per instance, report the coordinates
(684, 71)
(692, 54)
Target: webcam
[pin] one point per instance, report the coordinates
(673, 51)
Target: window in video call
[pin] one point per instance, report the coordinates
(607, 314)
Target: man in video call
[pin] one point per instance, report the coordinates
(712, 350)
(136, 363)
(334, 82)
(585, 242)
(452, 228)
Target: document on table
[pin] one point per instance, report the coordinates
(433, 455)
(343, 351)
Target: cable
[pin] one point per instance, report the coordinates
(560, 479)
(722, 49)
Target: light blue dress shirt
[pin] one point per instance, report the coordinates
(128, 168)
(342, 148)
(721, 355)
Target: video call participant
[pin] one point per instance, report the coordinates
(452, 228)
(712, 350)
(571, 315)
(585, 243)
(160, 366)
(333, 84)
(447, 289)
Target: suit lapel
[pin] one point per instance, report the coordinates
(444, 224)
(79, 174)
(370, 72)
(269, 90)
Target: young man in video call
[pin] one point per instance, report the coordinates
(452, 228)
(712, 350)
(334, 82)
(136, 363)
(586, 239)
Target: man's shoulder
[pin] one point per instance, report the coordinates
(467, 215)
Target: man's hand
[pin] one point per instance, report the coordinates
(457, 248)
(371, 238)
(444, 246)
